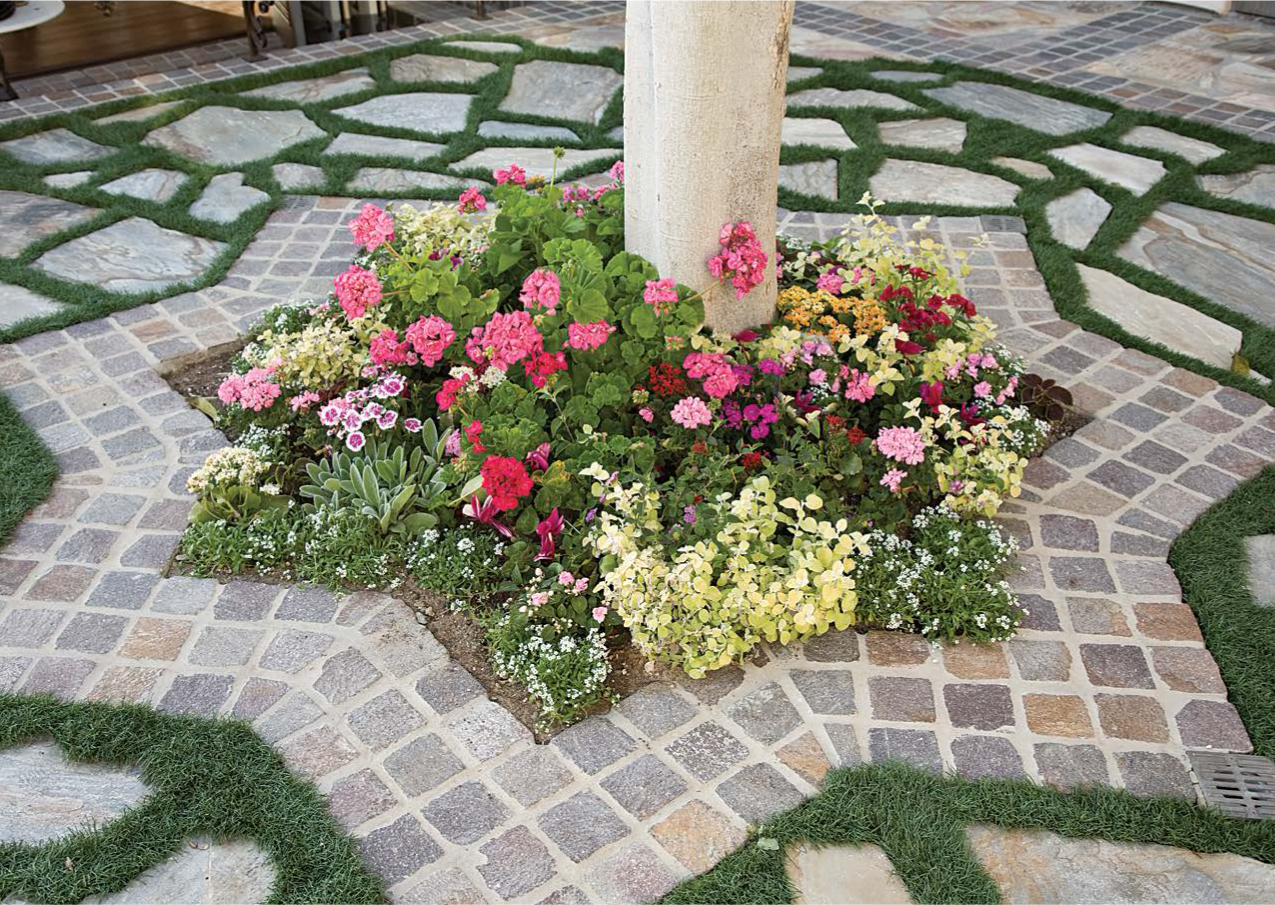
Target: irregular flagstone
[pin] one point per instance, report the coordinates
(495, 128)
(423, 111)
(1255, 186)
(486, 46)
(150, 184)
(1037, 866)
(797, 73)
(201, 873)
(1193, 149)
(294, 176)
(826, 133)
(225, 198)
(29, 218)
(844, 875)
(140, 114)
(1137, 174)
(1028, 168)
(818, 177)
(379, 146)
(1260, 554)
(1161, 320)
(427, 67)
(18, 303)
(939, 133)
(587, 39)
(1225, 258)
(388, 179)
(536, 161)
(55, 146)
(227, 136)
(936, 183)
(577, 91)
(1035, 111)
(1075, 218)
(44, 796)
(907, 75)
(324, 88)
(68, 180)
(859, 97)
(133, 255)
(616, 135)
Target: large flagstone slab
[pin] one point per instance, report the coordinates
(18, 303)
(388, 179)
(150, 184)
(936, 183)
(133, 255)
(486, 46)
(938, 133)
(324, 88)
(818, 177)
(1035, 111)
(1028, 168)
(44, 796)
(225, 198)
(29, 218)
(379, 146)
(797, 73)
(428, 67)
(294, 177)
(1075, 218)
(424, 111)
(1260, 553)
(536, 161)
(201, 873)
(844, 874)
(1037, 866)
(55, 146)
(907, 75)
(68, 180)
(1225, 258)
(825, 133)
(1137, 174)
(1161, 320)
(228, 136)
(576, 91)
(495, 128)
(1193, 149)
(859, 97)
(1255, 186)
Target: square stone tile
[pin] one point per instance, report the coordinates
(766, 714)
(917, 747)
(1063, 715)
(1116, 665)
(656, 709)
(1068, 767)
(593, 744)
(155, 639)
(907, 700)
(219, 646)
(95, 633)
(581, 825)
(698, 836)
(707, 751)
(1151, 773)
(517, 863)
(422, 764)
(1132, 717)
(397, 851)
(384, 720)
(974, 706)
(466, 813)
(532, 775)
(987, 757)
(644, 786)
(759, 792)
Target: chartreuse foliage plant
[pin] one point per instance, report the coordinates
(207, 778)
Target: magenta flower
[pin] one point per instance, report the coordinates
(515, 174)
(741, 260)
(430, 337)
(472, 201)
(831, 282)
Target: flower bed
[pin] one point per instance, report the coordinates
(507, 408)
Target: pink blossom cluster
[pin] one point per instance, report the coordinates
(720, 379)
(372, 228)
(541, 290)
(661, 295)
(831, 282)
(430, 337)
(691, 412)
(617, 171)
(971, 365)
(859, 387)
(541, 365)
(357, 290)
(254, 391)
(504, 340)
(893, 479)
(760, 417)
(451, 389)
(587, 337)
(302, 401)
(388, 352)
(741, 259)
(346, 415)
(515, 174)
(472, 200)
(902, 444)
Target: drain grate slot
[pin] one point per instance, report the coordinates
(1239, 785)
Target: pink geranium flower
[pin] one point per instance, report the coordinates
(541, 290)
(515, 174)
(357, 290)
(661, 295)
(831, 282)
(472, 201)
(430, 337)
(691, 412)
(372, 228)
(902, 444)
(587, 337)
(893, 478)
(741, 259)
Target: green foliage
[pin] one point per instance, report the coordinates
(212, 778)
(393, 488)
(28, 472)
(236, 503)
(465, 563)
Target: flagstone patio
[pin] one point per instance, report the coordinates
(452, 799)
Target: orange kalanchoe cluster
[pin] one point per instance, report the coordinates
(834, 316)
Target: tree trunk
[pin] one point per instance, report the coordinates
(704, 85)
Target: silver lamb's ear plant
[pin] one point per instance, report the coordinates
(394, 489)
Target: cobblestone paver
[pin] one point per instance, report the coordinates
(449, 794)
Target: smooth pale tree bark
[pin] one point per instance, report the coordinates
(704, 84)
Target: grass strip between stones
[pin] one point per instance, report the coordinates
(27, 469)
(211, 778)
(918, 819)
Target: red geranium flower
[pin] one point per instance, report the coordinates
(505, 480)
(856, 436)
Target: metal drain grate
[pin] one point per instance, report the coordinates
(998, 224)
(1239, 785)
